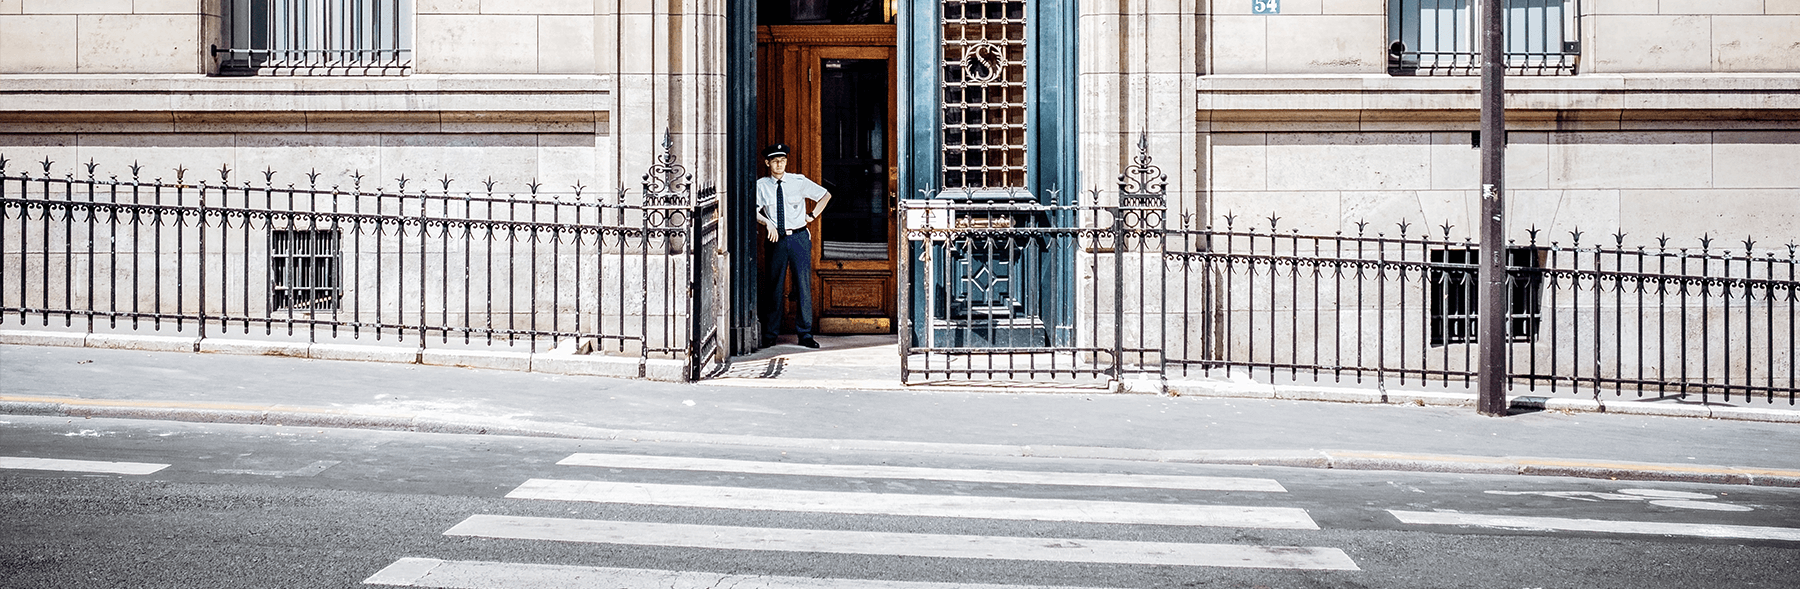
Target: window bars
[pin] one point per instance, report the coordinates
(1440, 37)
(316, 37)
(984, 94)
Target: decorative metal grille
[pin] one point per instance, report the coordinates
(984, 94)
(316, 37)
(1442, 38)
(303, 269)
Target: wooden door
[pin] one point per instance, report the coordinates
(828, 91)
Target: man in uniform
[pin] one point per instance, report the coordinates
(782, 200)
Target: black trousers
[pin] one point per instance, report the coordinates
(792, 251)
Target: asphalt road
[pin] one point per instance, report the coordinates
(262, 506)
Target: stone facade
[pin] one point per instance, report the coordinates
(1682, 117)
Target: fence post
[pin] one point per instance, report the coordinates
(1491, 389)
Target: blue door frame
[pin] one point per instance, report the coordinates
(1051, 148)
(1052, 152)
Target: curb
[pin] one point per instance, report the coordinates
(1253, 390)
(565, 361)
(1323, 459)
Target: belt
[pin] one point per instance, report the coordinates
(792, 231)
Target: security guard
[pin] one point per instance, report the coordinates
(782, 200)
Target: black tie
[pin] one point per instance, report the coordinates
(780, 210)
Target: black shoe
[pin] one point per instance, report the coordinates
(809, 342)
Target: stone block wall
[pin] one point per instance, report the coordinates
(107, 36)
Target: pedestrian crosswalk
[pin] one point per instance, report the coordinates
(600, 483)
(90, 466)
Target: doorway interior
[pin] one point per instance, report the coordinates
(825, 77)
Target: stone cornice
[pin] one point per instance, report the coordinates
(203, 94)
(1578, 102)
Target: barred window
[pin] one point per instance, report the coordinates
(304, 269)
(316, 37)
(1442, 37)
(984, 94)
(1456, 294)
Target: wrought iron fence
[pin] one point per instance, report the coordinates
(1157, 296)
(622, 273)
(1400, 308)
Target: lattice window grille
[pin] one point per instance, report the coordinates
(984, 94)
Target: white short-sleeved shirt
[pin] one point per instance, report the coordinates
(796, 190)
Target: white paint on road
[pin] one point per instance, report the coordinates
(901, 544)
(1191, 483)
(452, 574)
(316, 467)
(56, 464)
(1519, 522)
(963, 506)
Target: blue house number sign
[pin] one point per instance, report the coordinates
(1265, 6)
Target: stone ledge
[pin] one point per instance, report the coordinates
(565, 360)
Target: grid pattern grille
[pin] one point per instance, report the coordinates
(984, 94)
(303, 269)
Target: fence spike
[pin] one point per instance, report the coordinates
(225, 173)
(180, 173)
(356, 178)
(402, 180)
(1447, 227)
(135, 169)
(533, 185)
(1230, 219)
(1705, 242)
(90, 166)
(1403, 227)
(489, 182)
(1749, 244)
(268, 176)
(1362, 227)
(577, 188)
(2, 165)
(47, 163)
(1662, 242)
(1619, 238)
(1272, 221)
(1533, 232)
(446, 182)
(1576, 236)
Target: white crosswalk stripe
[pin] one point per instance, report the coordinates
(420, 572)
(1010, 508)
(450, 574)
(902, 544)
(94, 466)
(1079, 479)
(1521, 522)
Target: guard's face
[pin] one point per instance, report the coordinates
(777, 165)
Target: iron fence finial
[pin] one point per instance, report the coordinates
(90, 167)
(402, 180)
(135, 170)
(2, 165)
(446, 182)
(224, 173)
(180, 173)
(47, 163)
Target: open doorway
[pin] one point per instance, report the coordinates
(826, 72)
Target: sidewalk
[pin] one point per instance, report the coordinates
(820, 400)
